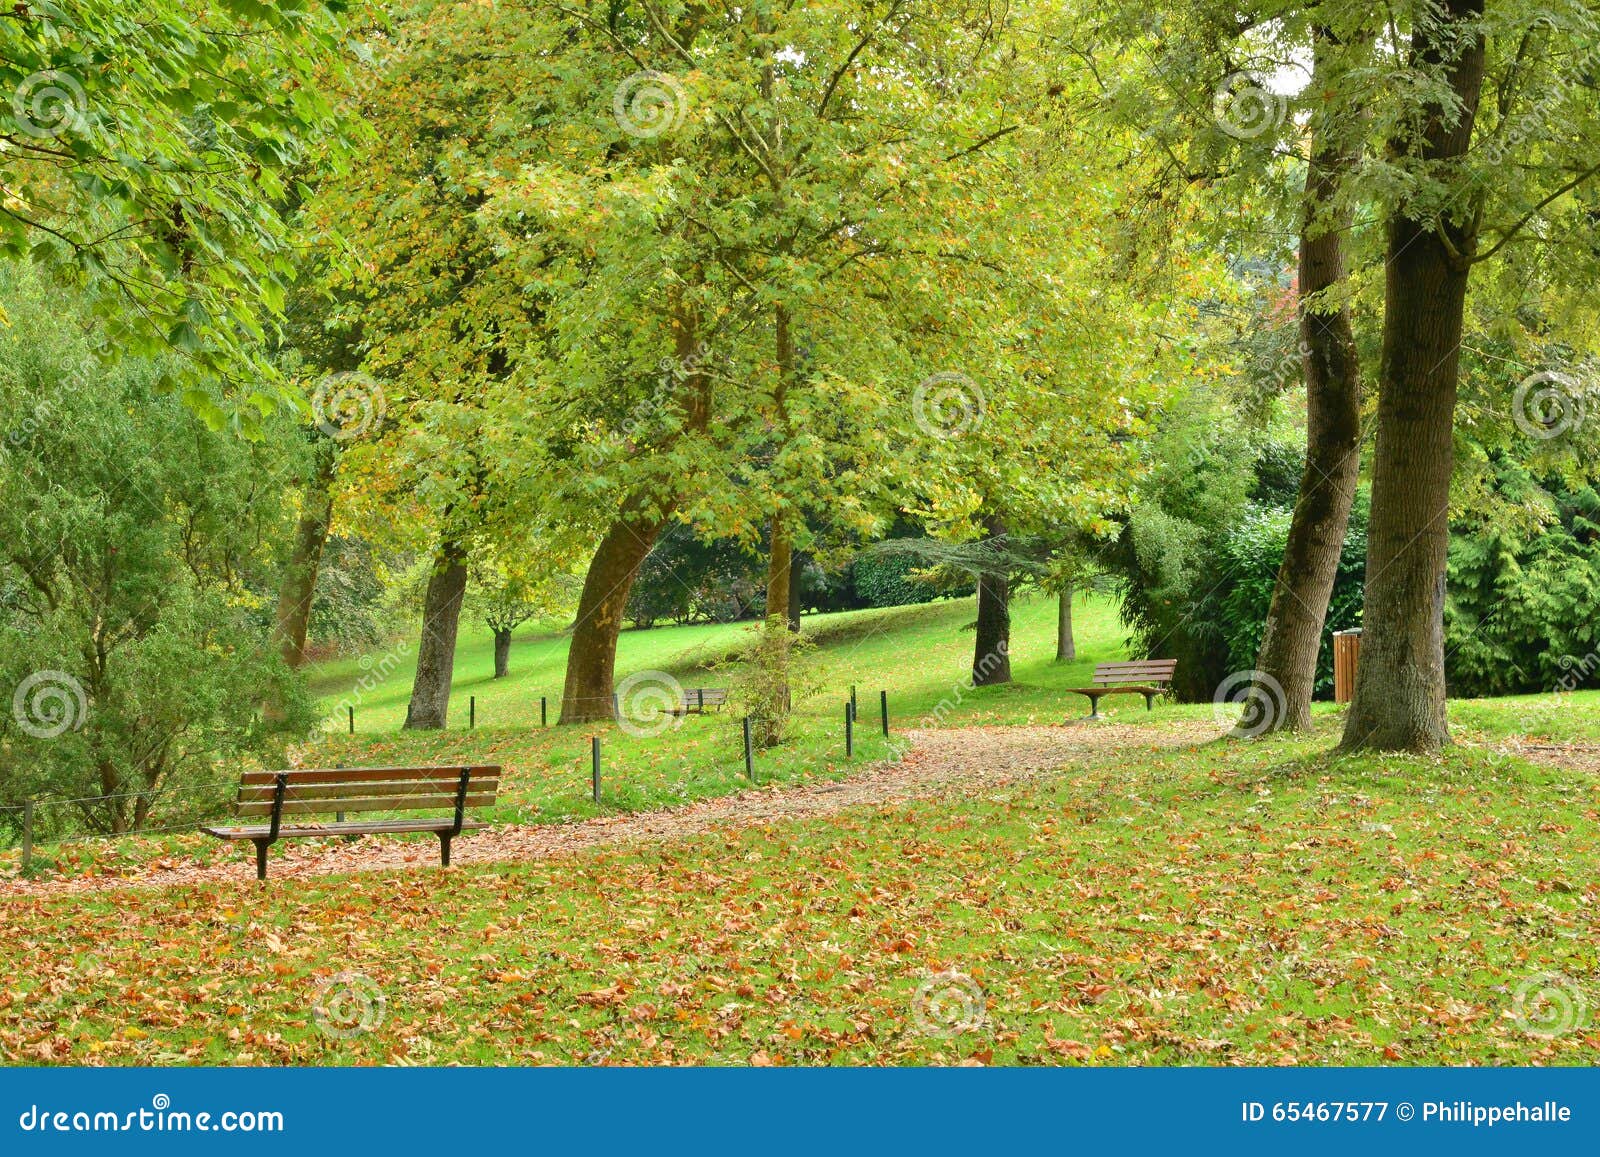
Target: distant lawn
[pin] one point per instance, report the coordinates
(919, 654)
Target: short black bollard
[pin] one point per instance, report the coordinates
(27, 834)
(594, 748)
(854, 710)
(749, 758)
(849, 731)
(352, 711)
(883, 708)
(472, 712)
(543, 706)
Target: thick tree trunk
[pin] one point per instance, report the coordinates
(502, 652)
(1066, 646)
(1399, 702)
(293, 617)
(436, 654)
(1287, 661)
(991, 656)
(592, 658)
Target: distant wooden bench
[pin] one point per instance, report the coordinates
(321, 791)
(1147, 677)
(697, 699)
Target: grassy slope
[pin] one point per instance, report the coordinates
(1232, 903)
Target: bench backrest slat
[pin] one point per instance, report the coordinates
(1148, 671)
(694, 696)
(306, 775)
(310, 791)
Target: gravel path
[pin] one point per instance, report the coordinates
(938, 761)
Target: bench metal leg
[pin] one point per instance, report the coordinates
(262, 844)
(1149, 702)
(1094, 707)
(444, 848)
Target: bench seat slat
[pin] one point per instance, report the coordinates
(371, 827)
(301, 807)
(450, 775)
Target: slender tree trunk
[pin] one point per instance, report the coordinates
(991, 657)
(293, 617)
(592, 658)
(1399, 702)
(796, 566)
(436, 655)
(1287, 662)
(1066, 646)
(502, 652)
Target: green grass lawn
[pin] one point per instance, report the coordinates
(1231, 903)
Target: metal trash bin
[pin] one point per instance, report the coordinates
(1346, 653)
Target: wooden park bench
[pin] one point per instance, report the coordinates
(273, 795)
(696, 700)
(1147, 677)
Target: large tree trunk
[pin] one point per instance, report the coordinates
(292, 620)
(1066, 646)
(1287, 662)
(592, 657)
(991, 656)
(436, 655)
(1399, 702)
(502, 652)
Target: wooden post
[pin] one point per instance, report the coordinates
(472, 712)
(27, 834)
(883, 708)
(616, 708)
(853, 708)
(594, 750)
(749, 758)
(849, 731)
(544, 706)
(352, 711)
